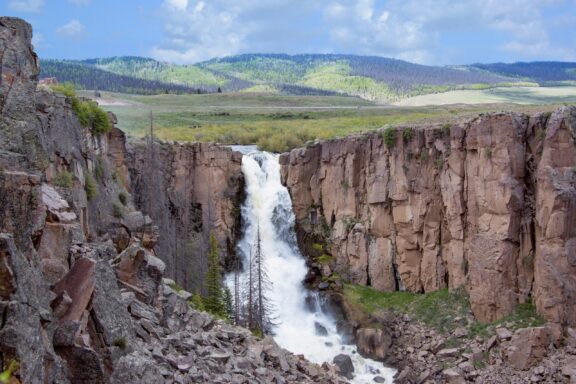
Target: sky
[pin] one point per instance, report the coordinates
(435, 32)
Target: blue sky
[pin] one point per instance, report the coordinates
(186, 31)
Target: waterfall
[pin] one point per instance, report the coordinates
(299, 327)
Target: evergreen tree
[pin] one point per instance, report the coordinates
(257, 306)
(228, 307)
(214, 300)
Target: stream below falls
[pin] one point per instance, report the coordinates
(297, 326)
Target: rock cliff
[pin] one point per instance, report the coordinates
(189, 190)
(487, 204)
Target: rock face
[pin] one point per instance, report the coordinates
(189, 190)
(488, 205)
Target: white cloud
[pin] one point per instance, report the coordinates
(80, 3)
(413, 30)
(198, 30)
(38, 40)
(177, 4)
(73, 30)
(26, 5)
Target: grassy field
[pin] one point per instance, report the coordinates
(274, 122)
(516, 95)
(439, 310)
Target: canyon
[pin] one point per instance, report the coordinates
(488, 205)
(87, 280)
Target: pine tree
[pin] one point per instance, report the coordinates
(228, 307)
(214, 300)
(257, 306)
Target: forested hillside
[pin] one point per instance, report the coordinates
(89, 77)
(369, 77)
(542, 72)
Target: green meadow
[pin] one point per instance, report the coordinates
(274, 122)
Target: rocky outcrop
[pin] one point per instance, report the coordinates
(189, 190)
(487, 204)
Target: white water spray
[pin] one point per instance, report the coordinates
(269, 207)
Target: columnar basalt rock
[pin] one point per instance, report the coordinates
(487, 204)
(189, 190)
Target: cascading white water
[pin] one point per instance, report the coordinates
(268, 207)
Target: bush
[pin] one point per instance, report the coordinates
(389, 136)
(63, 179)
(197, 302)
(117, 211)
(90, 187)
(407, 134)
(120, 343)
(88, 112)
(123, 197)
(324, 259)
(99, 169)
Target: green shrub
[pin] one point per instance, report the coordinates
(123, 197)
(488, 153)
(324, 259)
(197, 302)
(389, 136)
(11, 368)
(541, 134)
(439, 162)
(63, 179)
(446, 128)
(345, 185)
(99, 168)
(317, 247)
(407, 134)
(120, 343)
(176, 287)
(88, 112)
(117, 211)
(90, 187)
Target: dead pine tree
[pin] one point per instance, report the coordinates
(258, 308)
(237, 302)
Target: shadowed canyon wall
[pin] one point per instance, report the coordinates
(189, 190)
(489, 205)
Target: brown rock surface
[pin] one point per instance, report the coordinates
(188, 190)
(527, 347)
(487, 204)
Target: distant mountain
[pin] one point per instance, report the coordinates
(89, 77)
(369, 77)
(539, 71)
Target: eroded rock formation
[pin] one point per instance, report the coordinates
(189, 190)
(488, 204)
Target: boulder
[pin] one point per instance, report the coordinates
(138, 268)
(320, 329)
(78, 284)
(344, 364)
(373, 343)
(527, 347)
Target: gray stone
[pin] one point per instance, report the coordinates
(344, 364)
(320, 329)
(108, 310)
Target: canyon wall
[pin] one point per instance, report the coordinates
(488, 205)
(189, 191)
(81, 292)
